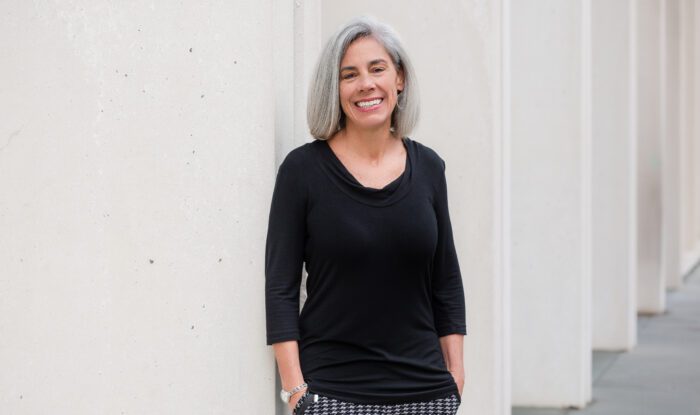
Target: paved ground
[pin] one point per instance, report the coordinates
(661, 376)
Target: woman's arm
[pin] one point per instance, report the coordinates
(287, 355)
(284, 255)
(284, 251)
(448, 292)
(453, 351)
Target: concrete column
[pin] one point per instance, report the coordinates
(651, 285)
(614, 184)
(307, 46)
(550, 202)
(670, 146)
(689, 247)
(696, 125)
(136, 169)
(284, 73)
(456, 49)
(296, 47)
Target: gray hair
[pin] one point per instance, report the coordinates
(323, 111)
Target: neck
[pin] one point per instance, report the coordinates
(369, 144)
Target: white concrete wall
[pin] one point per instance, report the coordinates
(651, 285)
(136, 168)
(614, 236)
(694, 9)
(297, 42)
(695, 137)
(670, 149)
(550, 202)
(138, 154)
(455, 47)
(690, 252)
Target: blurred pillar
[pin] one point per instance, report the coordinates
(694, 11)
(689, 246)
(614, 236)
(550, 192)
(651, 286)
(670, 145)
(455, 47)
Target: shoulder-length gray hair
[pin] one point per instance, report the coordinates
(323, 111)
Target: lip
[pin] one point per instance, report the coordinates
(367, 109)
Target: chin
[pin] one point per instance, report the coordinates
(372, 124)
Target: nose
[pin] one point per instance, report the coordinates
(366, 82)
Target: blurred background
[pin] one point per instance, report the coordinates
(138, 152)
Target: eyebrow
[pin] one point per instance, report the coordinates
(372, 62)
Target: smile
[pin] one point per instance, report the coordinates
(367, 104)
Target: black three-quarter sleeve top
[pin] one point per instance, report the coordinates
(383, 278)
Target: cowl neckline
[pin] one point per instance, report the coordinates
(341, 177)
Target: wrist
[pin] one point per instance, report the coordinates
(296, 399)
(286, 395)
(300, 392)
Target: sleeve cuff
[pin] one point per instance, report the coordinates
(282, 337)
(455, 329)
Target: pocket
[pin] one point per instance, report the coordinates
(309, 399)
(300, 403)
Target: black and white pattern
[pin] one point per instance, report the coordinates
(328, 406)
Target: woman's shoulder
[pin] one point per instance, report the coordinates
(297, 158)
(426, 155)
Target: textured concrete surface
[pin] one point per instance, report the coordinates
(137, 162)
(661, 376)
(550, 215)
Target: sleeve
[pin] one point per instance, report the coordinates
(447, 290)
(284, 252)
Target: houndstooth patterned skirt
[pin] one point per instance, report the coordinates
(315, 404)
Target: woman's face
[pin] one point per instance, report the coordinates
(369, 83)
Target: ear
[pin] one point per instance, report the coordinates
(400, 81)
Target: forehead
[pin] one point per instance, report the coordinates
(363, 50)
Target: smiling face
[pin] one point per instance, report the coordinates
(369, 82)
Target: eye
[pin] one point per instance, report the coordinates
(347, 75)
(378, 69)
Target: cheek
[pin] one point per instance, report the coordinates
(344, 99)
(393, 97)
(345, 107)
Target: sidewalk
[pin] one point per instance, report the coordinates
(661, 376)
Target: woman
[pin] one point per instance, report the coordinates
(364, 207)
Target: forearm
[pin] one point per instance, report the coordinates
(453, 351)
(287, 355)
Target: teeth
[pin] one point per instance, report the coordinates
(366, 104)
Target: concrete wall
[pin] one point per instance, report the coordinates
(670, 145)
(297, 42)
(138, 155)
(550, 202)
(651, 284)
(614, 237)
(136, 165)
(695, 137)
(687, 134)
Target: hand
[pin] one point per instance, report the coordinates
(295, 398)
(458, 376)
